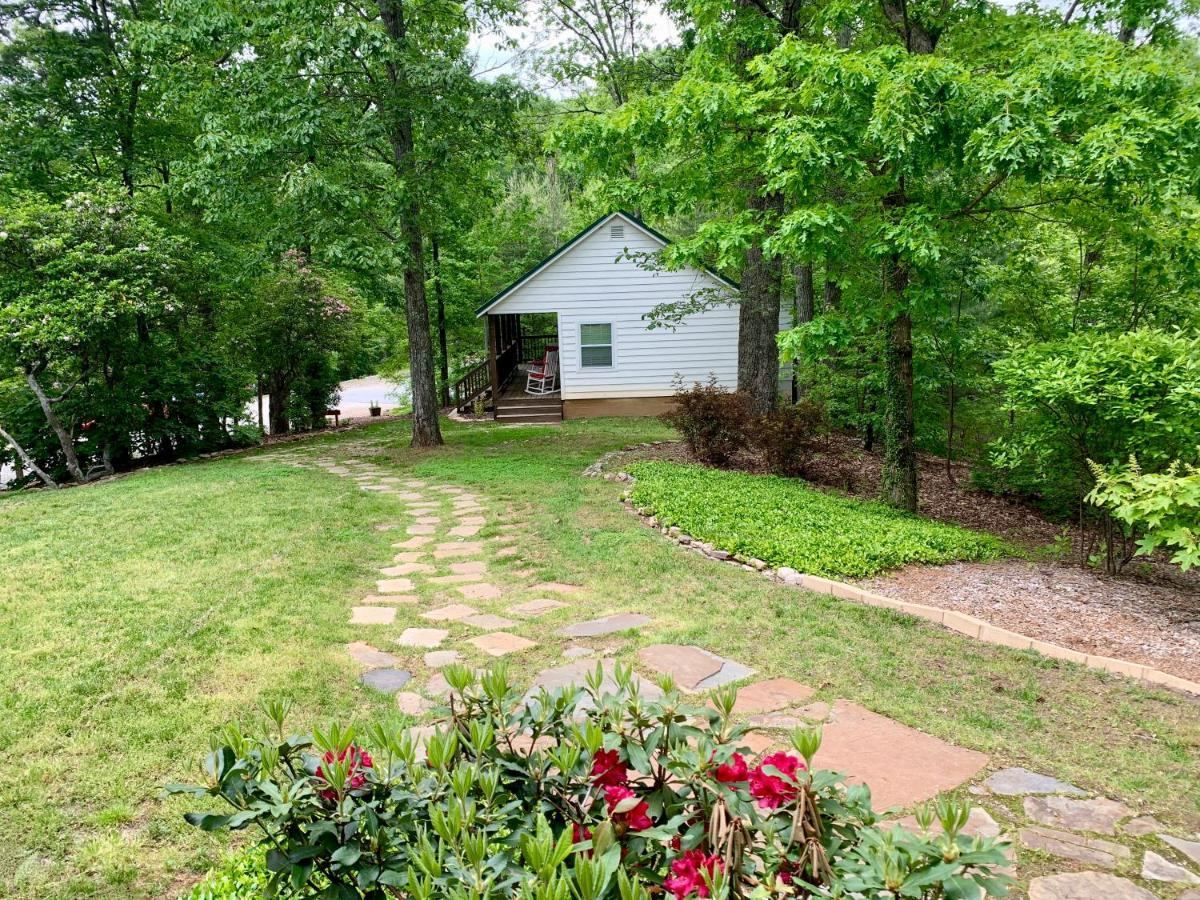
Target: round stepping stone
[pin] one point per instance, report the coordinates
(1099, 814)
(480, 591)
(386, 680)
(488, 621)
(389, 599)
(412, 704)
(501, 643)
(366, 655)
(1067, 845)
(393, 585)
(1018, 782)
(407, 569)
(606, 625)
(771, 695)
(464, 531)
(1190, 849)
(470, 567)
(421, 637)
(1086, 886)
(372, 615)
(534, 608)
(451, 613)
(558, 587)
(437, 659)
(1157, 868)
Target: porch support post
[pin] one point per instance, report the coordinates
(493, 365)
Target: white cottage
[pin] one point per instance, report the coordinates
(585, 309)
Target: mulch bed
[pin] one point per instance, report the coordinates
(1149, 614)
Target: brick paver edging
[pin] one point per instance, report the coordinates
(955, 621)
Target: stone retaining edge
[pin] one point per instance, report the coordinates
(952, 619)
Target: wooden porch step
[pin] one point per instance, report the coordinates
(529, 417)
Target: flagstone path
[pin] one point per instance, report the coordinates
(458, 571)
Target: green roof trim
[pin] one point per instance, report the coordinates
(500, 295)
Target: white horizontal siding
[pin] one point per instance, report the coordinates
(591, 284)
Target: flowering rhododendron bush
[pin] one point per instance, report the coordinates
(578, 794)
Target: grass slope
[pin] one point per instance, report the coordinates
(787, 523)
(140, 614)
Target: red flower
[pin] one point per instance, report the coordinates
(771, 791)
(637, 818)
(580, 833)
(607, 769)
(733, 771)
(355, 779)
(688, 871)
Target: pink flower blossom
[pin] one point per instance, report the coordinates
(771, 791)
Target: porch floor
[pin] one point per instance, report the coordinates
(514, 406)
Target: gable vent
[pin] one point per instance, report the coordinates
(616, 232)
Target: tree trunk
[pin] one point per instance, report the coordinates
(758, 313)
(443, 353)
(279, 389)
(833, 295)
(65, 441)
(804, 293)
(900, 452)
(25, 461)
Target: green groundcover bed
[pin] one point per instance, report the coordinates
(785, 522)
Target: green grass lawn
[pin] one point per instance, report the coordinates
(785, 522)
(139, 614)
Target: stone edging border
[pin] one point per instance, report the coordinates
(955, 621)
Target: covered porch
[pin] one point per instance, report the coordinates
(513, 343)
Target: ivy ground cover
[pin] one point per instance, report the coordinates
(785, 522)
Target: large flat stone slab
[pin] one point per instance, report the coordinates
(464, 531)
(393, 586)
(439, 659)
(1086, 886)
(770, 695)
(1098, 814)
(606, 625)
(386, 680)
(1018, 782)
(366, 655)
(421, 637)
(903, 766)
(576, 673)
(501, 643)
(372, 615)
(1158, 868)
(689, 666)
(1190, 849)
(1068, 845)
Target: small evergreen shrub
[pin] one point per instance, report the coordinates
(714, 422)
(579, 794)
(788, 437)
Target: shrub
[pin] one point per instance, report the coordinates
(714, 422)
(580, 794)
(787, 523)
(1158, 510)
(788, 437)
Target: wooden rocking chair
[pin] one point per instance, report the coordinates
(543, 375)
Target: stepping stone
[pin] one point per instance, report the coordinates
(386, 526)
(1099, 814)
(409, 495)
(414, 483)
(393, 585)
(389, 599)
(1018, 782)
(389, 479)
(1142, 826)
(481, 591)
(464, 531)
(451, 613)
(437, 659)
(372, 615)
(558, 587)
(771, 695)
(407, 556)
(1086, 886)
(412, 704)
(428, 520)
(454, 579)
(524, 573)
(1156, 868)
(903, 766)
(374, 487)
(606, 625)
(471, 567)
(488, 621)
(438, 686)
(534, 608)
(576, 673)
(422, 529)
(421, 637)
(501, 643)
(1190, 849)
(506, 551)
(578, 652)
(413, 542)
(1064, 844)
(407, 568)
(687, 665)
(386, 680)
(472, 520)
(366, 655)
(462, 548)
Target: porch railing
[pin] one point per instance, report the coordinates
(471, 386)
(533, 346)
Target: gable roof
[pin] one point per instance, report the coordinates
(628, 217)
